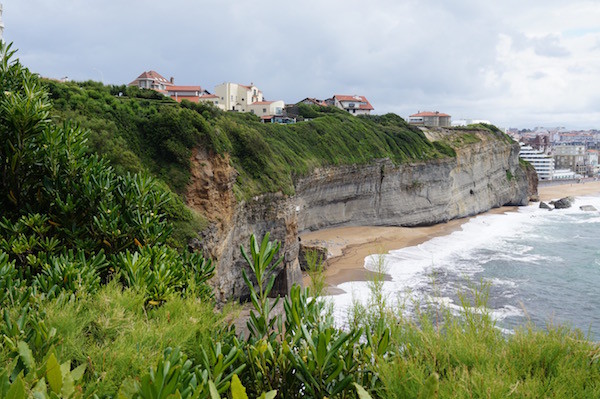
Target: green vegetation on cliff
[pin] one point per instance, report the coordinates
(137, 131)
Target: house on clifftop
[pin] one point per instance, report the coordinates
(190, 93)
(152, 80)
(356, 105)
(427, 118)
(237, 97)
(243, 98)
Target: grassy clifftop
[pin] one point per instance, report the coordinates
(141, 130)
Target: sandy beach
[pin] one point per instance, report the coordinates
(348, 246)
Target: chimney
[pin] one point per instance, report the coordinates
(172, 80)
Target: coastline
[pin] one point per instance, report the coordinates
(348, 246)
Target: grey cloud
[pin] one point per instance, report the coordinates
(538, 75)
(547, 46)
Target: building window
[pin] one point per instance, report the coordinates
(264, 110)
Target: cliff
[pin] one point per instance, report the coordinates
(485, 173)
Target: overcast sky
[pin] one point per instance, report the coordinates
(522, 63)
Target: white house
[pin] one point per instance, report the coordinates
(356, 105)
(213, 99)
(263, 108)
(236, 97)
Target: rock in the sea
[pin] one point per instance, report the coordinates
(543, 205)
(320, 252)
(588, 208)
(563, 203)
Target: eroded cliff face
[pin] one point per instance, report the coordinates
(483, 175)
(232, 223)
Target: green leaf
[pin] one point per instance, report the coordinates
(17, 390)
(268, 395)
(77, 373)
(39, 390)
(430, 387)
(175, 395)
(53, 374)
(65, 368)
(237, 389)
(26, 355)
(321, 349)
(68, 386)
(214, 394)
(129, 388)
(383, 342)
(362, 393)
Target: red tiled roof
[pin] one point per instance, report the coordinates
(262, 102)
(362, 99)
(313, 100)
(428, 113)
(209, 96)
(152, 75)
(343, 97)
(184, 88)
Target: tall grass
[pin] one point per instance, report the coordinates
(315, 269)
(473, 358)
(117, 337)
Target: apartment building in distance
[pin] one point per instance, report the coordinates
(541, 162)
(570, 157)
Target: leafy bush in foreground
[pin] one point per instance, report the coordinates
(67, 216)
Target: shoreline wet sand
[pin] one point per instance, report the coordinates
(348, 246)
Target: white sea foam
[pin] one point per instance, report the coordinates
(506, 311)
(459, 255)
(499, 281)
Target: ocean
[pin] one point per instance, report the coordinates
(541, 266)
